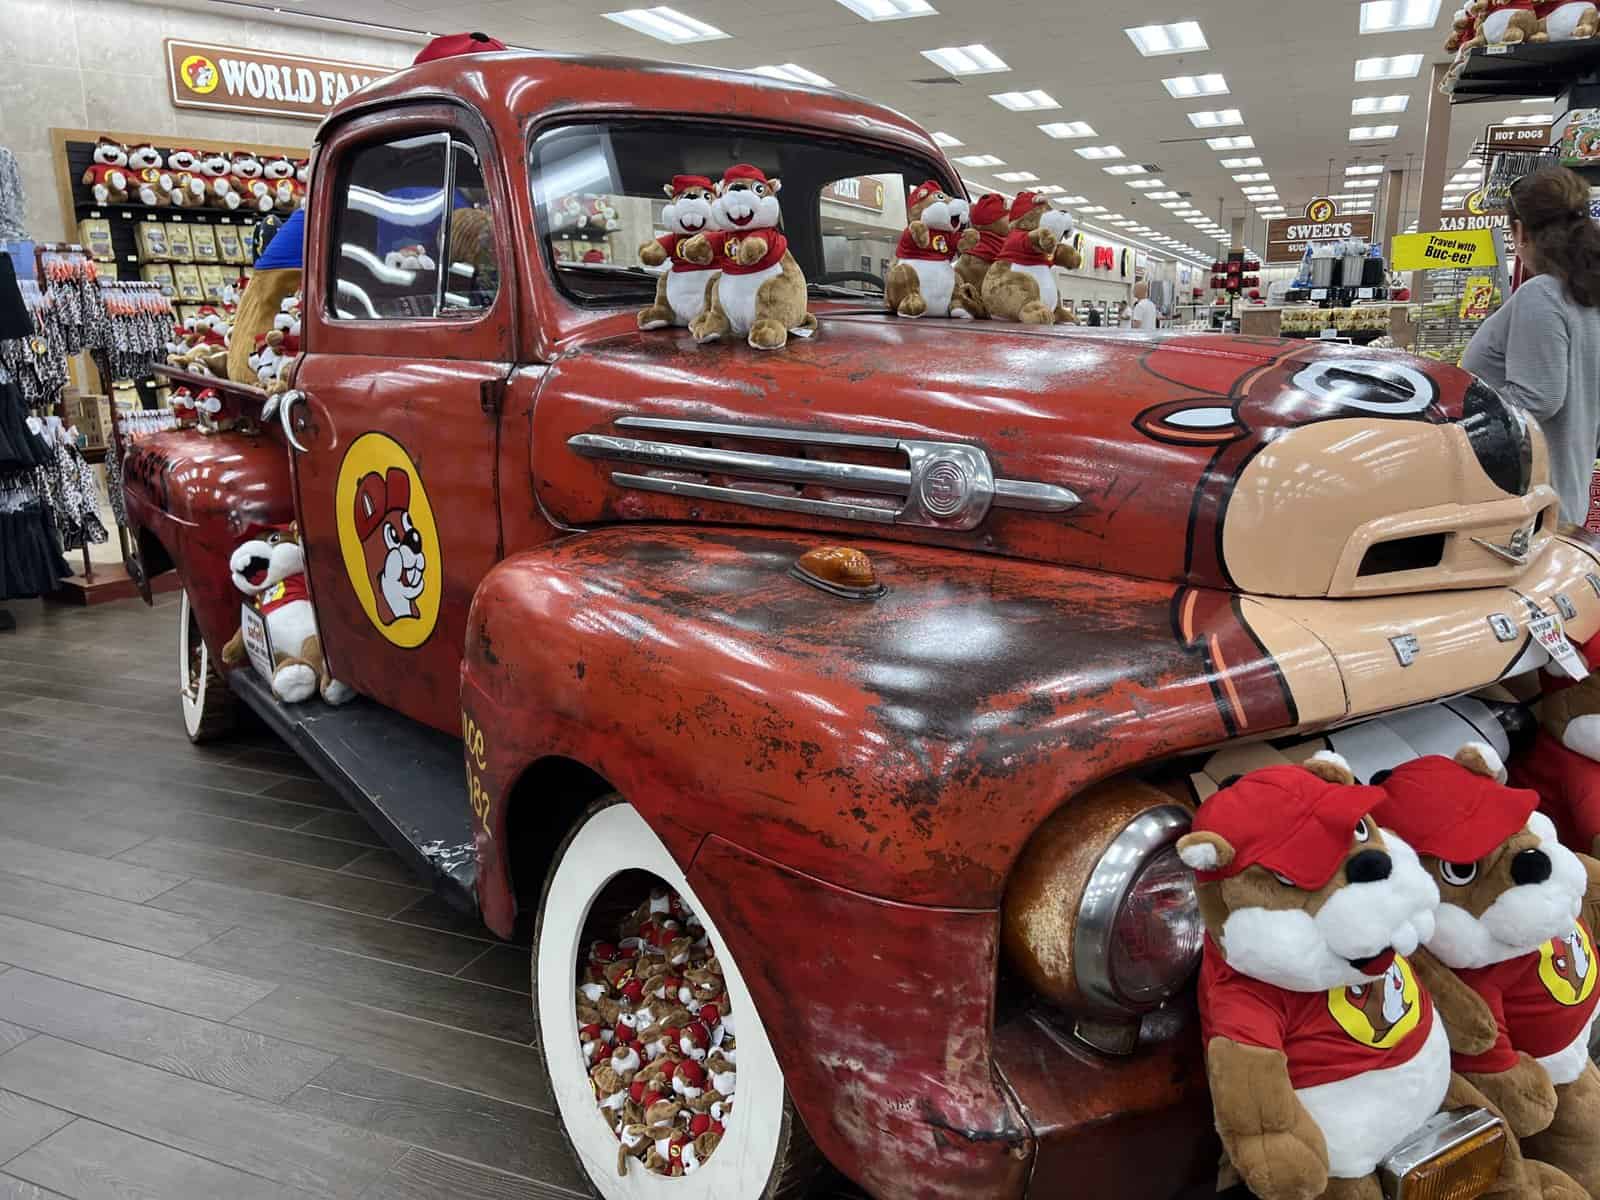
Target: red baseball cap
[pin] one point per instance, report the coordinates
(1022, 205)
(450, 44)
(922, 191)
(378, 494)
(743, 171)
(682, 183)
(1441, 808)
(989, 209)
(1287, 820)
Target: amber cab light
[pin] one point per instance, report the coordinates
(1457, 1155)
(841, 570)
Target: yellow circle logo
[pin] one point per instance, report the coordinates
(1475, 203)
(200, 73)
(389, 540)
(1320, 210)
(1379, 1014)
(1566, 967)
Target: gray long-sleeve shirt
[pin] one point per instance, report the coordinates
(1541, 352)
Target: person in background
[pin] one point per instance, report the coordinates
(1541, 350)
(1094, 316)
(1145, 312)
(1124, 316)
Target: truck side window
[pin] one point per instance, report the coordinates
(389, 229)
(472, 273)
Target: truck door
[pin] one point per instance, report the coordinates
(409, 335)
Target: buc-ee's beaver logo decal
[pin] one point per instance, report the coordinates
(1379, 1014)
(1567, 967)
(388, 539)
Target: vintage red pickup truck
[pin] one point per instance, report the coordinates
(919, 794)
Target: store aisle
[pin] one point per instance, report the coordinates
(213, 980)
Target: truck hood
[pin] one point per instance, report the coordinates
(1262, 465)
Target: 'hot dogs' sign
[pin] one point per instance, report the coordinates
(233, 79)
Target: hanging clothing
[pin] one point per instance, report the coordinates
(30, 552)
(74, 497)
(13, 204)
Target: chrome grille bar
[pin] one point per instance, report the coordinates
(739, 462)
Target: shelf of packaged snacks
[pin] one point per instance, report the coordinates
(1524, 71)
(1309, 320)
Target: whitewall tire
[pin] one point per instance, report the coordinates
(203, 696)
(765, 1152)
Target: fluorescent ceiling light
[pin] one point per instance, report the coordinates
(1071, 201)
(944, 139)
(1400, 66)
(1256, 190)
(1530, 119)
(1373, 133)
(1124, 169)
(1353, 196)
(1163, 195)
(1093, 209)
(1098, 152)
(1032, 101)
(1015, 176)
(1238, 164)
(1153, 40)
(1361, 183)
(1466, 177)
(980, 160)
(666, 25)
(1175, 204)
(1366, 106)
(1252, 177)
(890, 10)
(1068, 129)
(1187, 87)
(1242, 141)
(976, 59)
(1217, 119)
(792, 73)
(1144, 185)
(1195, 220)
(1538, 100)
(1187, 210)
(1047, 189)
(1366, 169)
(1391, 16)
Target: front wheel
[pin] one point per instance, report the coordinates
(207, 704)
(636, 1102)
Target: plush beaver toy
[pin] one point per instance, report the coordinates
(1021, 285)
(922, 280)
(1563, 765)
(761, 292)
(1515, 926)
(1323, 1050)
(980, 245)
(681, 292)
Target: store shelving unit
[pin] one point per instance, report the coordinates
(1522, 72)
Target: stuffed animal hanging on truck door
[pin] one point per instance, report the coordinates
(922, 279)
(1021, 285)
(1515, 926)
(271, 572)
(761, 293)
(1322, 1047)
(681, 290)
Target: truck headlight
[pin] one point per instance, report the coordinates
(1101, 916)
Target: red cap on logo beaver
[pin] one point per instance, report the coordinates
(1441, 808)
(682, 183)
(1022, 204)
(377, 494)
(1287, 820)
(922, 191)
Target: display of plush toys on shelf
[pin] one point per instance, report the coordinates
(1021, 285)
(1508, 23)
(149, 182)
(1463, 26)
(262, 305)
(681, 289)
(601, 215)
(277, 172)
(268, 361)
(188, 184)
(1515, 928)
(108, 175)
(761, 292)
(655, 1024)
(568, 215)
(922, 279)
(1568, 20)
(980, 245)
(414, 257)
(271, 572)
(287, 323)
(1322, 1048)
(218, 190)
(247, 177)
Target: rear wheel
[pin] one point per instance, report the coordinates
(207, 704)
(602, 880)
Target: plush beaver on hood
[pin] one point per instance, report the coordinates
(1515, 926)
(980, 245)
(1322, 1047)
(681, 291)
(1021, 285)
(922, 279)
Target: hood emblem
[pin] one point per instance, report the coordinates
(1406, 648)
(1505, 629)
(1515, 551)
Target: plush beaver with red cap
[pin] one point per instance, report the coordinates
(681, 291)
(980, 245)
(922, 279)
(1021, 285)
(1515, 927)
(451, 44)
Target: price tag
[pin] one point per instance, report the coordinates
(1328, 334)
(1319, 293)
(257, 642)
(1363, 293)
(1553, 639)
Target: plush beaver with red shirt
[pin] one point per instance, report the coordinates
(922, 280)
(681, 291)
(1515, 926)
(979, 246)
(1021, 285)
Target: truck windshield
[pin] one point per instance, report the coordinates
(598, 192)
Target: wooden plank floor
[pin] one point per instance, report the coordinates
(214, 981)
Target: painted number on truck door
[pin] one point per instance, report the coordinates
(474, 747)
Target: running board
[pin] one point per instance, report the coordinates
(405, 778)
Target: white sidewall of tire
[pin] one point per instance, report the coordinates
(193, 709)
(613, 840)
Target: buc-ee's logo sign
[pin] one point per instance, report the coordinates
(200, 73)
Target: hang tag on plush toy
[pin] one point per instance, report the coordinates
(1554, 641)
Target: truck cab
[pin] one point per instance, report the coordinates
(885, 669)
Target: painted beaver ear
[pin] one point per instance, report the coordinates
(1482, 759)
(1205, 851)
(1330, 767)
(1200, 421)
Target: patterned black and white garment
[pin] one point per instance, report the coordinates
(30, 551)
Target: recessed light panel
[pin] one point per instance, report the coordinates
(1073, 200)
(1175, 204)
(1188, 87)
(1068, 129)
(976, 59)
(1178, 38)
(666, 25)
(1361, 183)
(1252, 177)
(1391, 16)
(1239, 141)
(1047, 189)
(1239, 164)
(1218, 119)
(1373, 133)
(890, 10)
(1016, 176)
(1145, 185)
(1163, 195)
(1032, 101)
(1530, 119)
(1097, 152)
(1365, 169)
(1399, 66)
(792, 73)
(1367, 106)
(1124, 169)
(944, 139)
(980, 160)
(1093, 209)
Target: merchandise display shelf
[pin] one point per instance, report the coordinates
(1523, 72)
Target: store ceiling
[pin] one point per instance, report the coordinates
(1289, 70)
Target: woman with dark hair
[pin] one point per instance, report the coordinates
(1541, 350)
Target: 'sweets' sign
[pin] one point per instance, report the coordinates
(1287, 236)
(233, 79)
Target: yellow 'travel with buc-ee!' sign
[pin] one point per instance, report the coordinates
(1429, 251)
